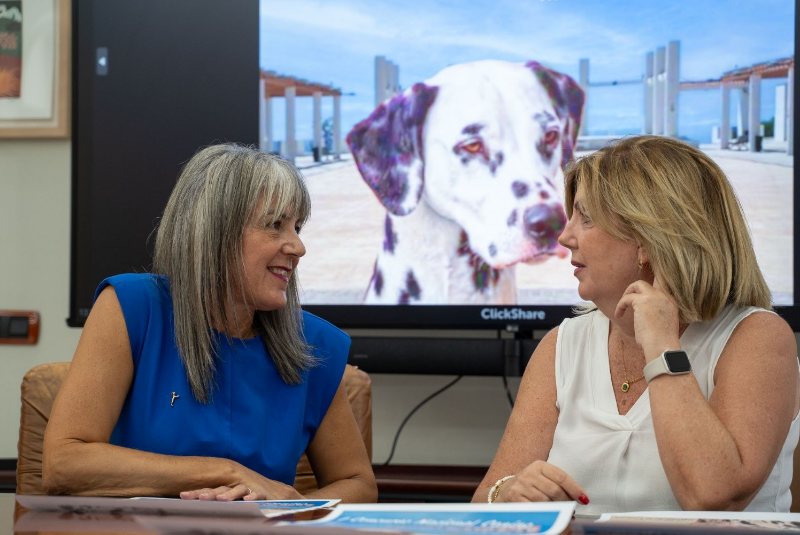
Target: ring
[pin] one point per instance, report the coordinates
(249, 491)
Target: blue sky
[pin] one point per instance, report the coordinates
(335, 42)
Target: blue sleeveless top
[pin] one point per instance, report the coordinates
(254, 418)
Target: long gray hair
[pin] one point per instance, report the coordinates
(199, 249)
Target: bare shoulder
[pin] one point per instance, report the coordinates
(764, 331)
(539, 374)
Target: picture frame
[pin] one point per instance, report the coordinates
(42, 109)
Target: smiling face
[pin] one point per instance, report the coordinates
(271, 250)
(493, 154)
(604, 264)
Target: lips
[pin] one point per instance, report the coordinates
(280, 272)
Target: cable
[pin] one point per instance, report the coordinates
(508, 393)
(415, 409)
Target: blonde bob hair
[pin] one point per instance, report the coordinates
(199, 249)
(677, 204)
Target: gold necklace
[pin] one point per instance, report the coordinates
(627, 384)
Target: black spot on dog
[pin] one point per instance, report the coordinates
(544, 195)
(512, 218)
(412, 290)
(483, 275)
(492, 249)
(496, 162)
(390, 240)
(378, 278)
(472, 129)
(520, 189)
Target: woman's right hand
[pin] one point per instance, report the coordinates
(249, 486)
(541, 482)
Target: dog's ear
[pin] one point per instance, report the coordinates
(568, 99)
(387, 147)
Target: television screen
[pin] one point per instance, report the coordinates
(433, 136)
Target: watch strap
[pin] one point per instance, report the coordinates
(660, 366)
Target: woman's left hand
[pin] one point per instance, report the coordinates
(655, 317)
(251, 486)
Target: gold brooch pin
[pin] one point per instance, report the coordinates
(174, 397)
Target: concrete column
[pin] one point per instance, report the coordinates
(725, 123)
(583, 81)
(658, 93)
(318, 121)
(671, 87)
(337, 127)
(790, 112)
(755, 111)
(392, 80)
(380, 79)
(780, 113)
(264, 118)
(290, 151)
(649, 83)
(743, 117)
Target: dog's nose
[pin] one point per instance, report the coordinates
(544, 222)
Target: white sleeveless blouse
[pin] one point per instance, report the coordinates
(614, 457)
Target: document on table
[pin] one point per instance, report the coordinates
(171, 506)
(424, 519)
(694, 522)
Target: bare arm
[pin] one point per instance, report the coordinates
(339, 458)
(77, 456)
(528, 438)
(718, 454)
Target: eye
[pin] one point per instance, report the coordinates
(472, 147)
(551, 137)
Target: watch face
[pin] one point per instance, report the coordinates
(677, 361)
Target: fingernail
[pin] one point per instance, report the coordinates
(583, 499)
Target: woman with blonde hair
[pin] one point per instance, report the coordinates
(677, 387)
(204, 379)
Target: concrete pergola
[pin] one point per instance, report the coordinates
(273, 85)
(748, 80)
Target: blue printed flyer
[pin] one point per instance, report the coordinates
(448, 519)
(423, 519)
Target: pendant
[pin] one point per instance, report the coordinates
(625, 387)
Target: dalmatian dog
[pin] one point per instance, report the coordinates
(469, 165)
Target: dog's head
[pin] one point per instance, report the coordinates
(484, 144)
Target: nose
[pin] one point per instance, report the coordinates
(544, 223)
(294, 246)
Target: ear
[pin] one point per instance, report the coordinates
(387, 147)
(568, 99)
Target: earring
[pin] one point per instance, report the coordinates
(640, 264)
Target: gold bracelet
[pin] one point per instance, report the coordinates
(495, 490)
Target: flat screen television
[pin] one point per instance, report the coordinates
(432, 136)
(437, 211)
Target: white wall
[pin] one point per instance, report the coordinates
(462, 426)
(34, 263)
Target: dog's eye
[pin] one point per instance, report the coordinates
(551, 137)
(473, 147)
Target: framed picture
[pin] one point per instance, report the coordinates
(34, 68)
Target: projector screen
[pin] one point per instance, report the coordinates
(438, 203)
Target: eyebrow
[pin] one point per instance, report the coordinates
(544, 118)
(473, 128)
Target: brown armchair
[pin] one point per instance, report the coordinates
(41, 384)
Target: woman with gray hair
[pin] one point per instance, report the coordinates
(204, 379)
(677, 387)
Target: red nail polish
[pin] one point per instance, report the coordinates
(583, 499)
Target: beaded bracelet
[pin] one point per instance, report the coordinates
(495, 490)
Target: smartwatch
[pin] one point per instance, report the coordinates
(670, 363)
